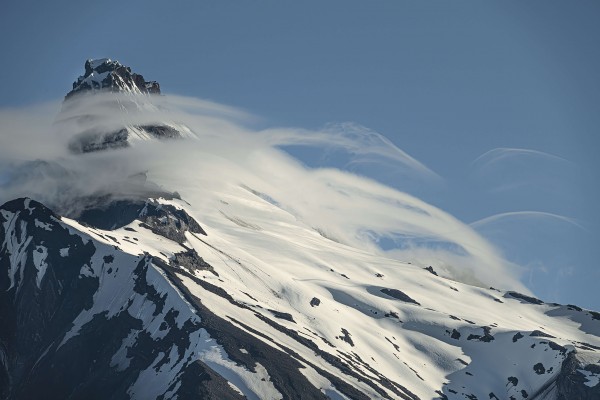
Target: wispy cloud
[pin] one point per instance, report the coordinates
(501, 154)
(353, 147)
(354, 210)
(525, 215)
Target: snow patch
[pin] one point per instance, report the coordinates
(86, 271)
(591, 379)
(16, 246)
(43, 225)
(39, 261)
(254, 386)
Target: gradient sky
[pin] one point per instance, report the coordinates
(501, 99)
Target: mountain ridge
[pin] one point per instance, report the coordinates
(184, 292)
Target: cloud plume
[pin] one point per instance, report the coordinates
(339, 199)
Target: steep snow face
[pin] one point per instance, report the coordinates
(385, 320)
(233, 287)
(356, 325)
(103, 310)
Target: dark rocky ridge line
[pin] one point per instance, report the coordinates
(118, 78)
(101, 345)
(38, 365)
(162, 219)
(347, 369)
(108, 76)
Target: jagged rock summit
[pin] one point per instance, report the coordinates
(125, 111)
(106, 74)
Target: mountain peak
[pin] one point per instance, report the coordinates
(111, 75)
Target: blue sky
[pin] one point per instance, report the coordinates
(500, 99)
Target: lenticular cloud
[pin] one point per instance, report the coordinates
(327, 179)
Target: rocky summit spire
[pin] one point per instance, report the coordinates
(114, 121)
(106, 74)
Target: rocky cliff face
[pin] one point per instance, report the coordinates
(101, 123)
(106, 74)
(82, 319)
(131, 311)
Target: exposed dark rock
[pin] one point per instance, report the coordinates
(168, 221)
(593, 368)
(486, 337)
(595, 315)
(392, 314)
(33, 322)
(524, 298)
(570, 383)
(396, 388)
(32, 317)
(393, 344)
(539, 368)
(105, 75)
(347, 337)
(191, 261)
(98, 140)
(161, 131)
(517, 336)
(314, 302)
(513, 380)
(108, 214)
(283, 367)
(538, 333)
(111, 76)
(162, 219)
(283, 315)
(557, 347)
(431, 270)
(455, 334)
(198, 381)
(399, 295)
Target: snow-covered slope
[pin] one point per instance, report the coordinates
(220, 292)
(344, 321)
